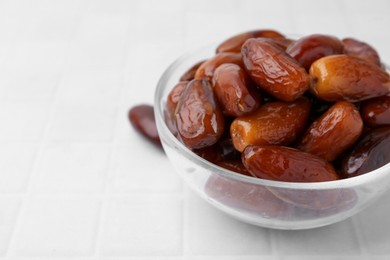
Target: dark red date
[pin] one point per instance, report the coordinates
(273, 70)
(281, 163)
(199, 119)
(376, 112)
(234, 43)
(231, 86)
(308, 49)
(142, 119)
(362, 50)
(370, 153)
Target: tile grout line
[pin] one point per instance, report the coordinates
(359, 236)
(41, 144)
(111, 169)
(185, 249)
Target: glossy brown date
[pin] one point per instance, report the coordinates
(376, 112)
(362, 50)
(199, 119)
(190, 73)
(281, 163)
(277, 123)
(172, 100)
(273, 70)
(343, 77)
(142, 119)
(308, 49)
(334, 132)
(207, 68)
(234, 43)
(370, 153)
(235, 95)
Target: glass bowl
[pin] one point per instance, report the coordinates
(266, 203)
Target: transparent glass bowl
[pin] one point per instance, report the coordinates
(272, 204)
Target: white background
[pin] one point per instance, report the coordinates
(77, 181)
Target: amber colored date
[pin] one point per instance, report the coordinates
(343, 77)
(376, 112)
(172, 100)
(334, 132)
(235, 95)
(273, 70)
(362, 50)
(142, 119)
(308, 49)
(199, 119)
(277, 123)
(371, 152)
(234, 43)
(190, 73)
(281, 163)
(207, 68)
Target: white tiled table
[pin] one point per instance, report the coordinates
(77, 181)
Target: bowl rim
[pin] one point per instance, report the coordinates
(169, 139)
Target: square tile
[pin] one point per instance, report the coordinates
(104, 28)
(42, 56)
(112, 7)
(98, 86)
(72, 167)
(143, 225)
(95, 55)
(9, 209)
(23, 120)
(50, 26)
(16, 166)
(374, 227)
(25, 85)
(137, 171)
(58, 227)
(199, 33)
(211, 232)
(167, 26)
(99, 43)
(82, 121)
(6, 50)
(339, 239)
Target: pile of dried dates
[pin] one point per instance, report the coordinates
(307, 110)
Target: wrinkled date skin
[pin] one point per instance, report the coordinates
(343, 77)
(362, 50)
(308, 49)
(277, 123)
(190, 73)
(334, 132)
(231, 86)
(376, 112)
(273, 70)
(371, 152)
(234, 43)
(142, 119)
(199, 119)
(281, 163)
(172, 100)
(245, 196)
(207, 68)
